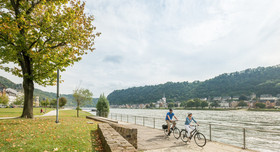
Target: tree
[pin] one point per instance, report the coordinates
(4, 99)
(103, 106)
(170, 105)
(214, 104)
(41, 36)
(260, 105)
(204, 104)
(197, 102)
(243, 97)
(46, 102)
(19, 100)
(242, 104)
(190, 103)
(82, 96)
(53, 103)
(62, 101)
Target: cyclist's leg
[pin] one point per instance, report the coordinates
(168, 124)
(188, 130)
(174, 124)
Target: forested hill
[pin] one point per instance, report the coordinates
(260, 80)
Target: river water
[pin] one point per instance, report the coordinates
(227, 126)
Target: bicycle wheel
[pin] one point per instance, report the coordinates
(200, 139)
(176, 133)
(165, 132)
(184, 136)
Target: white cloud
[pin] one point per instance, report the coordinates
(151, 42)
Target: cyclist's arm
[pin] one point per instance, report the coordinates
(195, 121)
(175, 117)
(168, 117)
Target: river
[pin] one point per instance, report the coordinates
(231, 133)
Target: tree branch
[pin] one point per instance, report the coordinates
(33, 5)
(3, 38)
(58, 45)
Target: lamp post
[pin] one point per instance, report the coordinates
(57, 102)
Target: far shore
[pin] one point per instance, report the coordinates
(211, 109)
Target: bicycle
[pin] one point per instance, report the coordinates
(175, 130)
(199, 138)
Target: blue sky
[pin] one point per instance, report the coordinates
(148, 42)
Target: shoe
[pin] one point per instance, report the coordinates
(169, 133)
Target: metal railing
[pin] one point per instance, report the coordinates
(216, 132)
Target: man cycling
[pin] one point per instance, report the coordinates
(168, 120)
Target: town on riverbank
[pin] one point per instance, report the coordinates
(265, 102)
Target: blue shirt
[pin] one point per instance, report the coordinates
(188, 121)
(170, 115)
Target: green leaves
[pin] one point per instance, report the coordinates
(82, 96)
(103, 106)
(40, 36)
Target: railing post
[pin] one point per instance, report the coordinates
(210, 132)
(126, 118)
(135, 120)
(244, 139)
(143, 121)
(154, 122)
(111, 116)
(121, 117)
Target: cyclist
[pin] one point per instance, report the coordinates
(189, 128)
(168, 120)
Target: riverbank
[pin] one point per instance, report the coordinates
(43, 134)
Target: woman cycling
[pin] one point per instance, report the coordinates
(189, 128)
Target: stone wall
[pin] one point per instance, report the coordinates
(112, 141)
(130, 134)
(101, 119)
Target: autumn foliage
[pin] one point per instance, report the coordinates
(41, 36)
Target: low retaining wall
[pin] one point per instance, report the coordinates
(128, 133)
(101, 119)
(112, 141)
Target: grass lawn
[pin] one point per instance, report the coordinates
(43, 134)
(16, 112)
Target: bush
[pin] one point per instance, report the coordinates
(260, 105)
(102, 106)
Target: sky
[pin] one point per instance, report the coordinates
(148, 42)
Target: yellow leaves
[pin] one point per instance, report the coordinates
(8, 140)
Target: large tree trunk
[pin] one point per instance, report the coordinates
(28, 87)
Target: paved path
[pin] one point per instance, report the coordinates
(51, 113)
(154, 140)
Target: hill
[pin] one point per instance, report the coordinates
(43, 94)
(261, 80)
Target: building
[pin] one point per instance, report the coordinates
(225, 104)
(234, 104)
(217, 98)
(36, 102)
